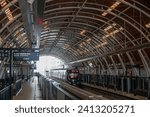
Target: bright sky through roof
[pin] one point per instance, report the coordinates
(47, 63)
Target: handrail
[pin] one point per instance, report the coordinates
(18, 86)
(5, 93)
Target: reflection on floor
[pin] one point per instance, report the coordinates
(30, 90)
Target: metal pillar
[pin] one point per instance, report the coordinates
(11, 68)
(88, 75)
(97, 74)
(128, 85)
(115, 82)
(122, 84)
(149, 88)
(21, 71)
(11, 72)
(138, 82)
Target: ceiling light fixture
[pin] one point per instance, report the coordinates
(3, 3)
(111, 8)
(112, 33)
(147, 25)
(82, 32)
(102, 44)
(8, 13)
(88, 40)
(110, 27)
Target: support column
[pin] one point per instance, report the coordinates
(11, 73)
(11, 68)
(128, 85)
(88, 75)
(21, 72)
(97, 75)
(149, 88)
(122, 84)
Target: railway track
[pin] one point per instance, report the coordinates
(106, 94)
(110, 93)
(88, 91)
(80, 93)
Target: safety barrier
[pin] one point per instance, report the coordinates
(5, 93)
(129, 84)
(52, 90)
(17, 86)
(136, 85)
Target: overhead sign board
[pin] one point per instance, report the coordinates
(26, 55)
(20, 54)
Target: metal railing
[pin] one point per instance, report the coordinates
(18, 86)
(5, 93)
(51, 90)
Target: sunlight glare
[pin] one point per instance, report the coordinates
(46, 63)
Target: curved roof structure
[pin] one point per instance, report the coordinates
(109, 33)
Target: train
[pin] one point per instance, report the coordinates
(72, 76)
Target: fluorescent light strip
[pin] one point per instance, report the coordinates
(3, 3)
(84, 43)
(111, 8)
(147, 25)
(7, 11)
(102, 44)
(112, 33)
(88, 40)
(9, 14)
(110, 27)
(82, 32)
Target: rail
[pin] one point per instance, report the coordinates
(61, 90)
(81, 93)
(55, 89)
(111, 93)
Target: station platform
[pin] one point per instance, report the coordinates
(30, 90)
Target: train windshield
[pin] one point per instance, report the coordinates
(73, 74)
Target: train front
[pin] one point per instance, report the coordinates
(73, 76)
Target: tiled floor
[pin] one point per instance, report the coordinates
(30, 90)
